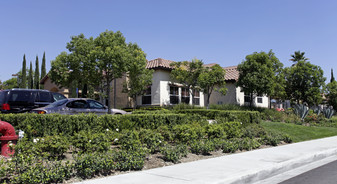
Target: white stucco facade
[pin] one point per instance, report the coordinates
(160, 90)
(160, 93)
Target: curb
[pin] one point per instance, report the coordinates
(267, 172)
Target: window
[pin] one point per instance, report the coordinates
(259, 100)
(58, 96)
(2, 96)
(247, 99)
(58, 103)
(196, 99)
(185, 96)
(146, 99)
(95, 105)
(44, 97)
(80, 104)
(174, 95)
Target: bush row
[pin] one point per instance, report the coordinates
(244, 117)
(44, 159)
(36, 125)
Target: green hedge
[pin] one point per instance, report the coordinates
(244, 117)
(37, 125)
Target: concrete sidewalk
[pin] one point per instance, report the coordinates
(246, 167)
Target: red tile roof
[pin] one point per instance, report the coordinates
(231, 72)
(159, 63)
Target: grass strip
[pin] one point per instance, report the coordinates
(300, 133)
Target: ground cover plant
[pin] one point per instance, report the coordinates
(58, 147)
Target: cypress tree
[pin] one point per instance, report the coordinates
(23, 82)
(43, 65)
(30, 77)
(37, 74)
(43, 68)
(332, 77)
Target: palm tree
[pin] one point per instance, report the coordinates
(298, 56)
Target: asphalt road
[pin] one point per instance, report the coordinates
(326, 174)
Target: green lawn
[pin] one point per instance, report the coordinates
(300, 133)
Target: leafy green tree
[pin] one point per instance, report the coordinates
(23, 77)
(37, 74)
(93, 61)
(139, 78)
(257, 74)
(303, 83)
(76, 69)
(331, 93)
(212, 78)
(10, 83)
(113, 57)
(298, 56)
(30, 77)
(278, 91)
(187, 74)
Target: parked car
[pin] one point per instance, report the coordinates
(24, 100)
(77, 106)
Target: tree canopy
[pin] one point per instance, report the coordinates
(212, 78)
(331, 94)
(10, 83)
(30, 77)
(303, 83)
(23, 76)
(139, 78)
(298, 56)
(95, 60)
(37, 74)
(257, 74)
(187, 73)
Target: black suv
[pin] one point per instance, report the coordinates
(24, 100)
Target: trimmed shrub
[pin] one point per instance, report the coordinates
(151, 139)
(37, 125)
(188, 132)
(86, 141)
(203, 147)
(91, 164)
(174, 153)
(245, 117)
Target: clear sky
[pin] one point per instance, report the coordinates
(220, 31)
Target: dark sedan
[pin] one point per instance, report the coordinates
(77, 106)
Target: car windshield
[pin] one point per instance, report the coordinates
(58, 103)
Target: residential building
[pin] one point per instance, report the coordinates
(164, 92)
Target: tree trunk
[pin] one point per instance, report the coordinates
(85, 91)
(251, 101)
(208, 96)
(115, 93)
(192, 97)
(134, 102)
(108, 92)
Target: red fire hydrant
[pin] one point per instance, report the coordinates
(8, 138)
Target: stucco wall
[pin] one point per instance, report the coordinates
(241, 100)
(159, 76)
(122, 99)
(49, 85)
(229, 98)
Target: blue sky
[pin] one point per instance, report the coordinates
(221, 31)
